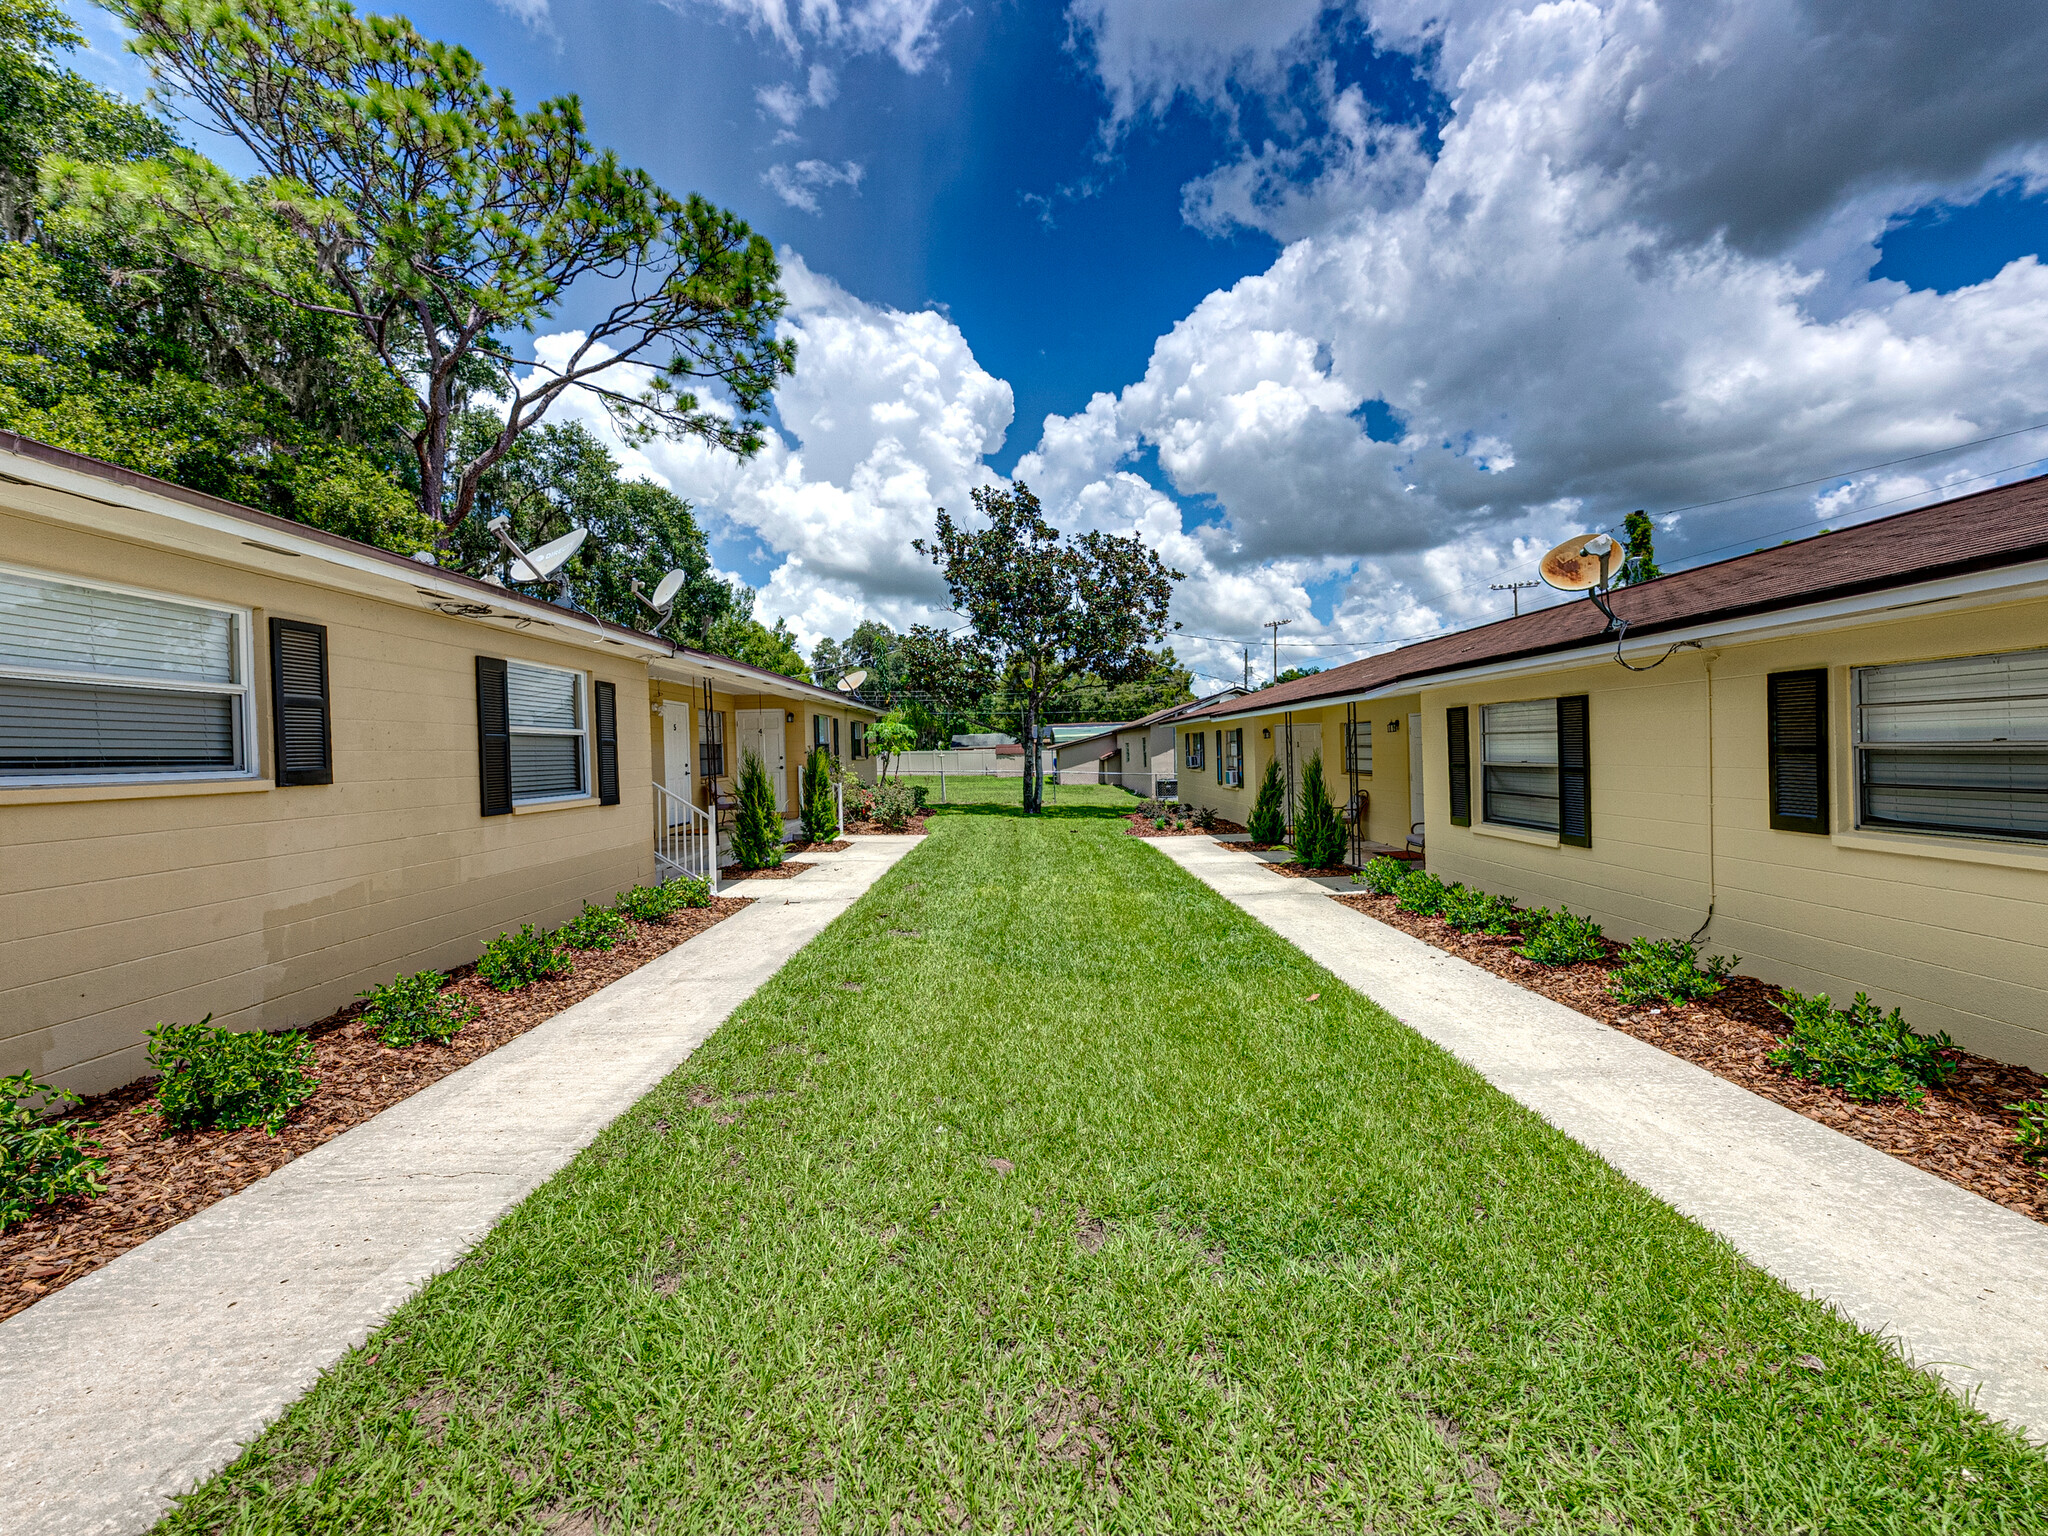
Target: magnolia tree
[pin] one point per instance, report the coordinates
(1043, 609)
(443, 225)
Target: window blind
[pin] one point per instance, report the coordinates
(1958, 745)
(545, 711)
(1358, 744)
(1518, 762)
(96, 683)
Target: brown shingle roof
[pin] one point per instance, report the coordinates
(2004, 526)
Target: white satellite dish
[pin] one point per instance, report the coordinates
(542, 563)
(666, 589)
(853, 680)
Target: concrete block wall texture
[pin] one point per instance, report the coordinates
(269, 907)
(1953, 930)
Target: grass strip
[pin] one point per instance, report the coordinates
(1045, 1191)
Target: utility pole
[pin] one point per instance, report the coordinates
(1274, 625)
(1247, 669)
(1516, 587)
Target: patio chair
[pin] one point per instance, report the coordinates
(1415, 838)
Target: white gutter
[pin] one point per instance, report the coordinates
(260, 532)
(1976, 589)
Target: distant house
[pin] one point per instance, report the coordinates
(1138, 754)
(1829, 757)
(249, 768)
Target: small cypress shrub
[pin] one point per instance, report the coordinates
(41, 1160)
(1860, 1049)
(514, 960)
(1561, 939)
(1667, 970)
(414, 1008)
(821, 818)
(757, 828)
(1318, 829)
(1269, 816)
(593, 928)
(229, 1078)
(1382, 876)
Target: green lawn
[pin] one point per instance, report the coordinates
(1262, 1260)
(979, 789)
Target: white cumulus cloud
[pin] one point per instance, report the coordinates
(906, 30)
(799, 185)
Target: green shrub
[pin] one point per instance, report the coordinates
(1560, 939)
(1868, 1054)
(1205, 819)
(2030, 1135)
(1159, 823)
(1668, 970)
(1269, 817)
(893, 806)
(229, 1078)
(820, 813)
(512, 960)
(1422, 893)
(919, 794)
(593, 928)
(650, 903)
(41, 1160)
(1472, 911)
(757, 827)
(1319, 840)
(1382, 876)
(414, 1008)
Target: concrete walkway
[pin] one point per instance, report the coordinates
(1959, 1283)
(136, 1382)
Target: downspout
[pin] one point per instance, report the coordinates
(1713, 894)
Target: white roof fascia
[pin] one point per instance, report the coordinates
(2006, 584)
(339, 567)
(672, 668)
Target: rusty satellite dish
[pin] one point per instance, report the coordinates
(1580, 564)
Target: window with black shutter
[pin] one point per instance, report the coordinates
(301, 727)
(1458, 748)
(605, 709)
(1574, 771)
(1797, 705)
(493, 736)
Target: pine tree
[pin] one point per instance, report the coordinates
(1269, 815)
(1641, 561)
(1318, 829)
(821, 820)
(757, 829)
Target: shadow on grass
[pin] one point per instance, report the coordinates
(1049, 813)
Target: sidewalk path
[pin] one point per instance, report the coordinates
(1960, 1283)
(131, 1385)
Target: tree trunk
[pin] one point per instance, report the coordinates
(1033, 789)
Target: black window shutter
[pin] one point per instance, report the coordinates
(1219, 757)
(493, 736)
(606, 696)
(1574, 772)
(1458, 744)
(301, 725)
(1798, 707)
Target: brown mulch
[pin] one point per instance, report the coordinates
(1141, 826)
(837, 845)
(916, 828)
(1962, 1132)
(788, 869)
(1294, 869)
(154, 1181)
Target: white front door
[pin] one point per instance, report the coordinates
(1415, 770)
(760, 731)
(678, 750)
(1308, 743)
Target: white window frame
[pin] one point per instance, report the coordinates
(1859, 749)
(581, 730)
(1233, 774)
(1556, 767)
(241, 692)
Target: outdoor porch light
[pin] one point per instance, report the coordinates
(788, 717)
(1267, 733)
(1393, 725)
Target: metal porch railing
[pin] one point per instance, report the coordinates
(685, 840)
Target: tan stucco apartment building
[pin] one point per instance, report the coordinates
(1830, 758)
(249, 769)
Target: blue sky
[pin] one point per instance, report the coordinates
(1351, 308)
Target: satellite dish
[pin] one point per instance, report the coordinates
(853, 680)
(542, 563)
(666, 589)
(1579, 564)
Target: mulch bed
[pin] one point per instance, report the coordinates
(916, 828)
(788, 869)
(837, 845)
(1962, 1132)
(1294, 869)
(154, 1181)
(1141, 826)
